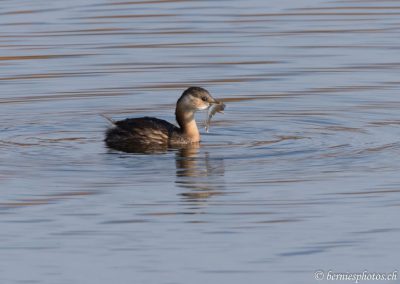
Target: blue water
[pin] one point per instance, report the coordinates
(300, 174)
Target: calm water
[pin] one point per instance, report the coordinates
(300, 174)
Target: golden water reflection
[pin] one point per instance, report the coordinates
(199, 173)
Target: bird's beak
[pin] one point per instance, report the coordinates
(214, 102)
(217, 105)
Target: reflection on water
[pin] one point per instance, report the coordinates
(300, 174)
(198, 174)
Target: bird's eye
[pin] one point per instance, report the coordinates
(204, 99)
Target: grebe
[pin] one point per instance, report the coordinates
(140, 134)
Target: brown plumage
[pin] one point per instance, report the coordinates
(149, 133)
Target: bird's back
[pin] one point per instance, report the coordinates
(140, 132)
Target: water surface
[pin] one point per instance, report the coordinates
(299, 174)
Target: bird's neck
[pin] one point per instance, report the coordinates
(187, 123)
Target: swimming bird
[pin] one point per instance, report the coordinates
(138, 134)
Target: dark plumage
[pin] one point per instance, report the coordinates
(149, 133)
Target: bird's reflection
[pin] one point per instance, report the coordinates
(198, 173)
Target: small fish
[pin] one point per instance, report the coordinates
(213, 109)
